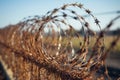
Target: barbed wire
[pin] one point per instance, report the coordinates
(49, 40)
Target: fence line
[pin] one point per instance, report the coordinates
(42, 48)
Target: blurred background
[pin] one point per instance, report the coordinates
(12, 11)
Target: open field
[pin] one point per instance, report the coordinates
(113, 57)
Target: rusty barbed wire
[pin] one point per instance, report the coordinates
(44, 45)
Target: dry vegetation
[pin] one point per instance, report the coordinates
(35, 49)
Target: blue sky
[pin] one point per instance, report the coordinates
(12, 11)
